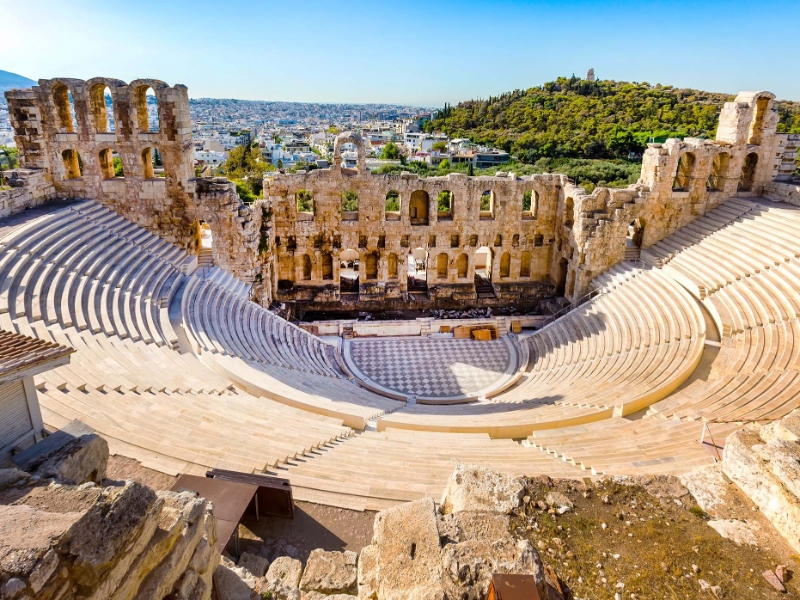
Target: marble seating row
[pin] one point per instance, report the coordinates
(373, 470)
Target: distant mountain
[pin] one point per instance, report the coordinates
(10, 81)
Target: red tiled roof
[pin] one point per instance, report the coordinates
(19, 352)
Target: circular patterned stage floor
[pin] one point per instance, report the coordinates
(433, 370)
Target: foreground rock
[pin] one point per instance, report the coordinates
(119, 542)
(765, 463)
(330, 573)
(428, 554)
(81, 460)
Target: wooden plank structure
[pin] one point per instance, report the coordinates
(274, 494)
(231, 500)
(512, 587)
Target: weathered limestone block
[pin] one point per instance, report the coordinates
(233, 583)
(286, 570)
(195, 523)
(122, 522)
(467, 567)
(735, 530)
(708, 486)
(768, 471)
(479, 489)
(81, 460)
(408, 552)
(368, 573)
(254, 564)
(176, 510)
(330, 572)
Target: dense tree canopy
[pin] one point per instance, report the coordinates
(575, 118)
(246, 167)
(390, 152)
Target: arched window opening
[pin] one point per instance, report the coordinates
(505, 264)
(462, 265)
(348, 270)
(392, 266)
(102, 107)
(483, 264)
(111, 164)
(146, 103)
(306, 267)
(444, 205)
(487, 205)
(206, 237)
(441, 265)
(719, 171)
(525, 264)
(349, 205)
(530, 201)
(148, 160)
(327, 266)
(73, 164)
(683, 176)
(418, 208)
(498, 240)
(569, 212)
(372, 265)
(561, 277)
(392, 205)
(757, 124)
(305, 201)
(515, 240)
(65, 108)
(417, 270)
(748, 172)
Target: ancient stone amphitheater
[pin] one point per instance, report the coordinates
(685, 295)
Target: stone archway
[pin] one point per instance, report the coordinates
(350, 137)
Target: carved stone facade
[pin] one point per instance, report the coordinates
(538, 236)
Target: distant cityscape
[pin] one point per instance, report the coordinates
(298, 134)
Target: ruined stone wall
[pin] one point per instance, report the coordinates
(76, 151)
(73, 154)
(387, 237)
(680, 181)
(28, 188)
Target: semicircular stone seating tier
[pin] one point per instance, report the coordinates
(183, 372)
(742, 261)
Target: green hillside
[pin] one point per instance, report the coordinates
(576, 118)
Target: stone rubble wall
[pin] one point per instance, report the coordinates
(783, 192)
(28, 188)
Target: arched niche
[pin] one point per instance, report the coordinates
(418, 207)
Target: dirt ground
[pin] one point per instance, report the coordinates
(313, 526)
(620, 539)
(121, 468)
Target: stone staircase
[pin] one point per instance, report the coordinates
(484, 288)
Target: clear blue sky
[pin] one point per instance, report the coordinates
(423, 53)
